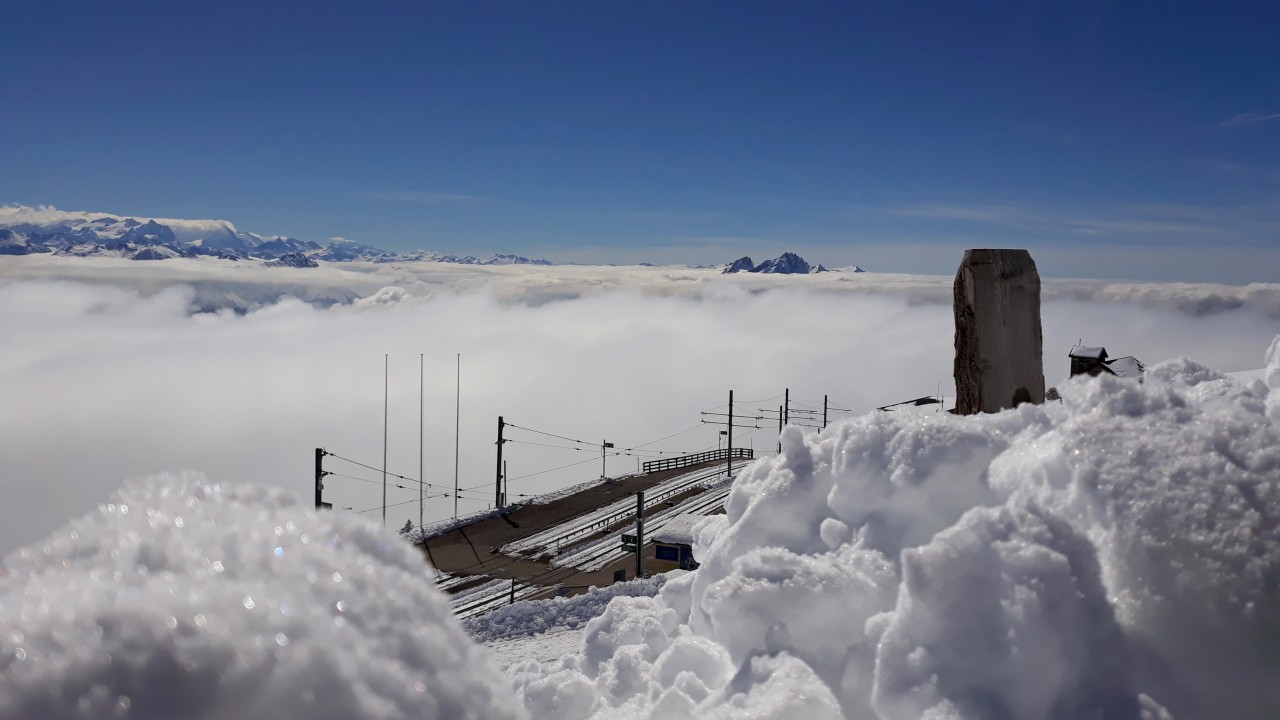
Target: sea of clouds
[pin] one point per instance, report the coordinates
(114, 369)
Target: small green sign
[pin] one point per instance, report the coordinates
(629, 547)
(629, 539)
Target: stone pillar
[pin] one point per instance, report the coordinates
(999, 346)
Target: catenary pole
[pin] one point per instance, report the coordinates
(319, 477)
(497, 472)
(386, 394)
(422, 437)
(457, 433)
(728, 469)
(779, 429)
(639, 533)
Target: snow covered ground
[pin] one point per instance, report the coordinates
(545, 630)
(1115, 555)
(180, 598)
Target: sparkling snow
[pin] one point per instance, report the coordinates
(1115, 555)
(181, 598)
(544, 630)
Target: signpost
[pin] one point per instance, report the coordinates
(603, 444)
(639, 533)
(633, 543)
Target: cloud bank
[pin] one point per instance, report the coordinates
(109, 371)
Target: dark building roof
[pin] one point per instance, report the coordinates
(1087, 360)
(1084, 351)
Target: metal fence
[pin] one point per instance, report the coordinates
(697, 459)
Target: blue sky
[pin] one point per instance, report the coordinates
(1116, 139)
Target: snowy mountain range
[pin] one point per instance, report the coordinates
(26, 230)
(784, 264)
(47, 230)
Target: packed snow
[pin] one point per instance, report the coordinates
(181, 598)
(534, 617)
(1114, 555)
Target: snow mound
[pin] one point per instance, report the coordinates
(532, 617)
(183, 598)
(1116, 555)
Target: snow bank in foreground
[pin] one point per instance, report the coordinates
(184, 599)
(1116, 555)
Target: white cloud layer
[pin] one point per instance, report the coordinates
(107, 374)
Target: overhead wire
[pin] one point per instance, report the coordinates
(375, 469)
(543, 472)
(670, 436)
(636, 451)
(775, 397)
(561, 437)
(549, 445)
(373, 482)
(426, 497)
(596, 449)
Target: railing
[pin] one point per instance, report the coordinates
(697, 459)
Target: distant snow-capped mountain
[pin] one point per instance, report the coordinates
(27, 230)
(784, 264)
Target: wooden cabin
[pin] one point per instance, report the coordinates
(1086, 360)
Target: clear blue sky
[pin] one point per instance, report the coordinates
(666, 131)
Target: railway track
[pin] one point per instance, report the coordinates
(557, 537)
(596, 554)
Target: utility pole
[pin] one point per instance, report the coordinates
(824, 412)
(603, 444)
(320, 473)
(639, 533)
(422, 439)
(457, 433)
(386, 384)
(497, 481)
(786, 404)
(731, 425)
(728, 468)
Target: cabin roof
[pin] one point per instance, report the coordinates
(1085, 351)
(679, 529)
(1128, 366)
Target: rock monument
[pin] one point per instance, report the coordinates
(999, 347)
